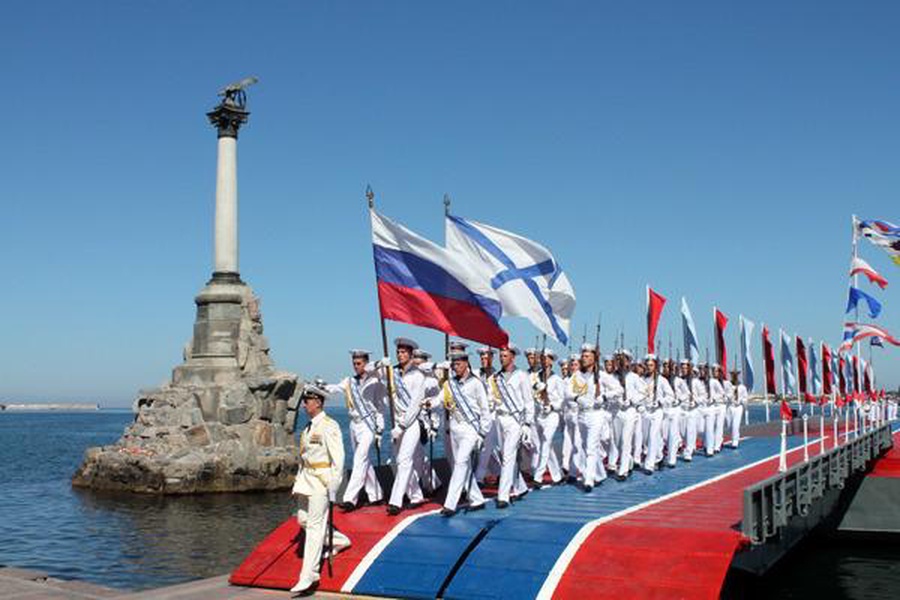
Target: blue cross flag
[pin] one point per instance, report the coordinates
(527, 279)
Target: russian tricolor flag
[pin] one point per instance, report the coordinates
(423, 284)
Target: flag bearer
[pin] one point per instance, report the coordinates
(365, 397)
(671, 417)
(719, 401)
(572, 450)
(466, 403)
(737, 404)
(487, 463)
(511, 394)
(317, 482)
(408, 382)
(612, 392)
(548, 405)
(659, 396)
(684, 397)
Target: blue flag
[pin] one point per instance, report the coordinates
(856, 295)
(788, 381)
(746, 361)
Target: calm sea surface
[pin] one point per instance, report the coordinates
(137, 542)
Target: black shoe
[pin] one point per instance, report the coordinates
(476, 507)
(571, 479)
(621, 477)
(502, 504)
(347, 506)
(446, 512)
(518, 497)
(393, 510)
(588, 488)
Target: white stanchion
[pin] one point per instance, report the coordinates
(837, 439)
(846, 424)
(822, 432)
(767, 410)
(805, 438)
(782, 458)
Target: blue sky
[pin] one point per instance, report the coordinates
(712, 149)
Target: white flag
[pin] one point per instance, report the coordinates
(746, 361)
(691, 346)
(527, 279)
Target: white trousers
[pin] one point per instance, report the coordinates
(689, 419)
(312, 514)
(626, 426)
(463, 443)
(735, 414)
(487, 464)
(511, 481)
(720, 426)
(573, 450)
(709, 428)
(651, 423)
(593, 427)
(545, 457)
(612, 444)
(363, 473)
(406, 480)
(671, 432)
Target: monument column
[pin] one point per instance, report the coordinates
(227, 118)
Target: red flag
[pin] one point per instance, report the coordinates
(786, 413)
(769, 360)
(802, 370)
(855, 383)
(867, 382)
(721, 354)
(826, 370)
(655, 304)
(842, 381)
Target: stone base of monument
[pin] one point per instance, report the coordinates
(225, 423)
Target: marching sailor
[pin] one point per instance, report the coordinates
(511, 395)
(487, 462)
(659, 396)
(572, 449)
(737, 395)
(365, 398)
(563, 368)
(583, 388)
(317, 482)
(408, 384)
(549, 404)
(628, 418)
(466, 403)
(671, 417)
(707, 422)
(612, 391)
(718, 399)
(684, 396)
(429, 420)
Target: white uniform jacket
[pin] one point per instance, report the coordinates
(321, 457)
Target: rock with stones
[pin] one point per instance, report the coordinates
(225, 422)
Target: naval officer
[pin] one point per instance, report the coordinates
(365, 398)
(317, 482)
(466, 404)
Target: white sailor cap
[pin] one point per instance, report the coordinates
(458, 345)
(511, 347)
(421, 353)
(574, 357)
(485, 350)
(650, 356)
(402, 342)
(715, 366)
(562, 362)
(458, 355)
(311, 390)
(531, 351)
(550, 352)
(625, 352)
(588, 347)
(357, 353)
(684, 361)
(608, 358)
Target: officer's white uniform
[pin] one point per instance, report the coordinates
(717, 397)
(467, 409)
(737, 402)
(512, 399)
(547, 419)
(591, 424)
(365, 399)
(321, 469)
(409, 392)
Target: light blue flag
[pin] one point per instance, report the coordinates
(856, 295)
(788, 381)
(746, 356)
(691, 346)
(815, 380)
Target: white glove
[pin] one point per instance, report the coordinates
(445, 365)
(379, 424)
(540, 386)
(396, 433)
(432, 434)
(383, 363)
(526, 436)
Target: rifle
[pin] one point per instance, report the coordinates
(597, 357)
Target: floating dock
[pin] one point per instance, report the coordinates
(641, 538)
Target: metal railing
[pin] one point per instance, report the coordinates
(770, 504)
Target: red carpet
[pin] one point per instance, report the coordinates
(889, 464)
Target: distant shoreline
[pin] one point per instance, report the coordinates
(54, 406)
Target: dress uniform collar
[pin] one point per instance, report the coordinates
(315, 420)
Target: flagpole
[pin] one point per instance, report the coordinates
(765, 374)
(797, 368)
(856, 311)
(446, 214)
(370, 196)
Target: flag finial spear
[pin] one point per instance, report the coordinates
(446, 204)
(370, 196)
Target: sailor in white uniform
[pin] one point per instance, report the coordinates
(684, 399)
(466, 403)
(736, 393)
(407, 382)
(365, 397)
(659, 397)
(612, 392)
(707, 410)
(429, 420)
(583, 388)
(548, 405)
(718, 400)
(629, 416)
(572, 448)
(316, 484)
(671, 425)
(487, 462)
(511, 395)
